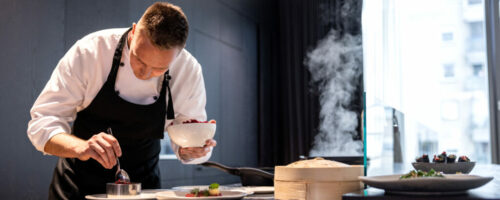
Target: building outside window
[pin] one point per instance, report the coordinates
(449, 70)
(447, 37)
(407, 72)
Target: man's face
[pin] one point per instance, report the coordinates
(147, 60)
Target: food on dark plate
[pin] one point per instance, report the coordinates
(420, 174)
(442, 158)
(424, 158)
(463, 159)
(451, 158)
(439, 158)
(213, 190)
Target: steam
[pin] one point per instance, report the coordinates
(336, 65)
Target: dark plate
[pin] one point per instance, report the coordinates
(450, 184)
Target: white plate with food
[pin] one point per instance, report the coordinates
(205, 187)
(212, 191)
(142, 196)
(422, 183)
(201, 187)
(248, 189)
(186, 194)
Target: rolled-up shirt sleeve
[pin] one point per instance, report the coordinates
(56, 106)
(191, 105)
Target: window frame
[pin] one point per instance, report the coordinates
(492, 31)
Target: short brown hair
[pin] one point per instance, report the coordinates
(166, 24)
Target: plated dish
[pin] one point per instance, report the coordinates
(447, 164)
(426, 185)
(421, 174)
(143, 196)
(442, 158)
(247, 189)
(212, 191)
(181, 194)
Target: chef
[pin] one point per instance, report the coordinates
(126, 79)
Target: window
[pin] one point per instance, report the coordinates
(404, 67)
(166, 151)
(477, 69)
(449, 70)
(450, 110)
(446, 37)
(476, 29)
(476, 42)
(474, 2)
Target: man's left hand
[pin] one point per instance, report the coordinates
(196, 152)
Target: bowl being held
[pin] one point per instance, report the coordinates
(447, 168)
(191, 134)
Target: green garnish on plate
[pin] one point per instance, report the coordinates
(420, 173)
(213, 186)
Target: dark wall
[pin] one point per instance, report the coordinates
(36, 34)
(32, 42)
(289, 99)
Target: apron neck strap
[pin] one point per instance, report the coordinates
(117, 57)
(170, 106)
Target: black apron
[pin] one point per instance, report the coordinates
(138, 129)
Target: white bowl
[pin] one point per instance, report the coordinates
(191, 134)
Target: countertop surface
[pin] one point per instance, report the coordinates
(488, 191)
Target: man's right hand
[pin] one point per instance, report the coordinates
(101, 147)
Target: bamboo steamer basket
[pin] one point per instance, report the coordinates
(316, 179)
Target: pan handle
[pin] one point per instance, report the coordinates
(257, 172)
(222, 167)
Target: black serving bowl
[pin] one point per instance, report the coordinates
(447, 168)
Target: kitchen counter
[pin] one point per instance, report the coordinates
(488, 191)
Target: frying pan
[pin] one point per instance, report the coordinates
(249, 176)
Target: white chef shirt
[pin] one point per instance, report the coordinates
(81, 73)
